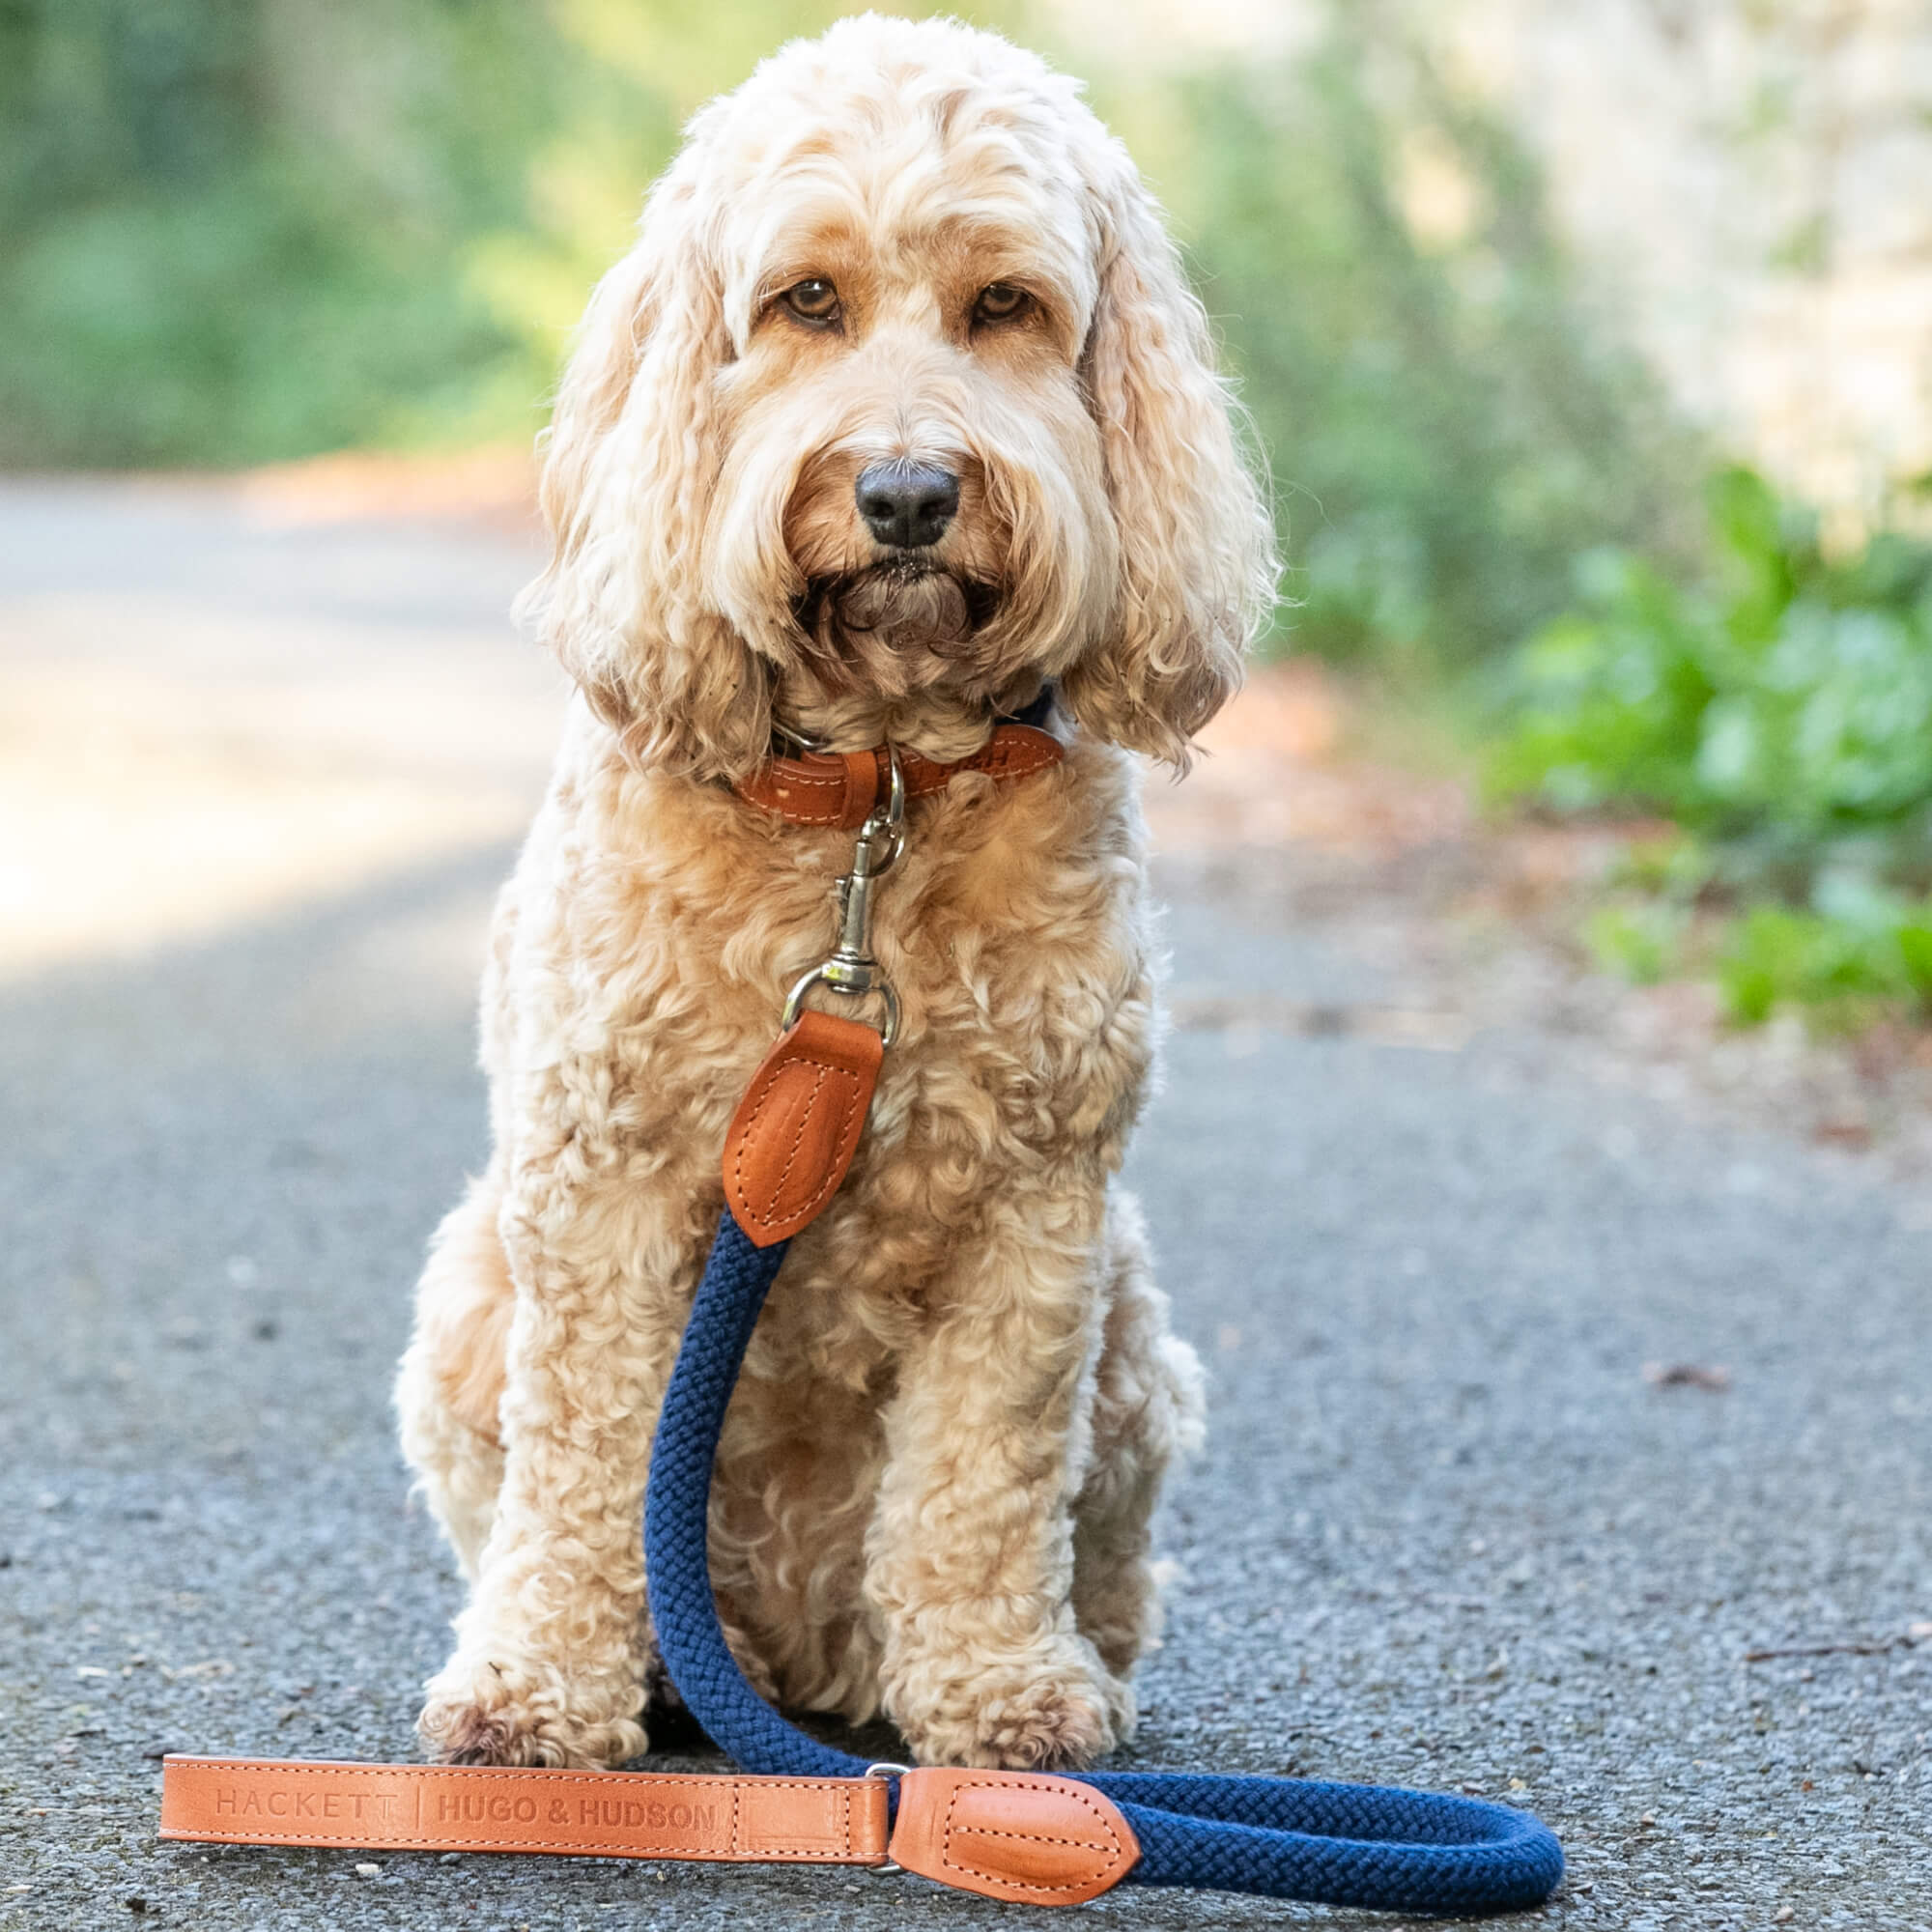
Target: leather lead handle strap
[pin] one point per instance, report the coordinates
(479, 1808)
(1004, 1834)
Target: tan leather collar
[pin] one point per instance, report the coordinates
(840, 787)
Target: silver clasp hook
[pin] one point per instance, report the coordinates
(851, 970)
(888, 1771)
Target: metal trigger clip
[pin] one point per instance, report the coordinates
(852, 971)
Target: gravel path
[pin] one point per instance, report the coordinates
(1445, 1533)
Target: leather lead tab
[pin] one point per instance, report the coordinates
(797, 1127)
(1013, 1834)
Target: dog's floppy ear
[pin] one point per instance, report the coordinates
(1197, 570)
(631, 462)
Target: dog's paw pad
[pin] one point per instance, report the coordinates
(457, 1736)
(1054, 1727)
(491, 1717)
(1057, 1715)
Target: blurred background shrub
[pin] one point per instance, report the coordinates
(1450, 421)
(239, 229)
(1778, 710)
(1782, 707)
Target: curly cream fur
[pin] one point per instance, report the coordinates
(934, 1486)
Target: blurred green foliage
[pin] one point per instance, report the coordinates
(236, 229)
(1783, 707)
(1447, 415)
(1781, 711)
(1641, 941)
(1845, 963)
(1857, 953)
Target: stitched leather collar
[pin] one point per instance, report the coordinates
(840, 789)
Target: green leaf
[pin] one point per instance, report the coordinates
(1914, 940)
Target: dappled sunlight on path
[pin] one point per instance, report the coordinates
(189, 743)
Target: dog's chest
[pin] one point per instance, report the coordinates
(1013, 930)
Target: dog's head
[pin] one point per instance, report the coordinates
(901, 391)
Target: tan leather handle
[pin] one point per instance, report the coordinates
(607, 1815)
(1016, 1835)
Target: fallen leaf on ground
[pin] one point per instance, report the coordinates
(1687, 1374)
(1855, 1647)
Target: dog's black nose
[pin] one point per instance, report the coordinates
(907, 504)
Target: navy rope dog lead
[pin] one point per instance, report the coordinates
(1040, 1840)
(1337, 1844)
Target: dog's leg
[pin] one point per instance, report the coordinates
(1148, 1407)
(450, 1384)
(971, 1550)
(552, 1653)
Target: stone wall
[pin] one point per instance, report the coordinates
(1758, 177)
(1751, 179)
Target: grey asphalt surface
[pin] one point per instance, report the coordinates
(1445, 1534)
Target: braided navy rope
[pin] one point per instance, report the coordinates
(684, 1613)
(1337, 1844)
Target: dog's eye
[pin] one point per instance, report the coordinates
(814, 301)
(1000, 302)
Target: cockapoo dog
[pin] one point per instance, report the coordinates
(899, 413)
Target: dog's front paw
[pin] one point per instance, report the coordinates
(1052, 1706)
(506, 1710)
